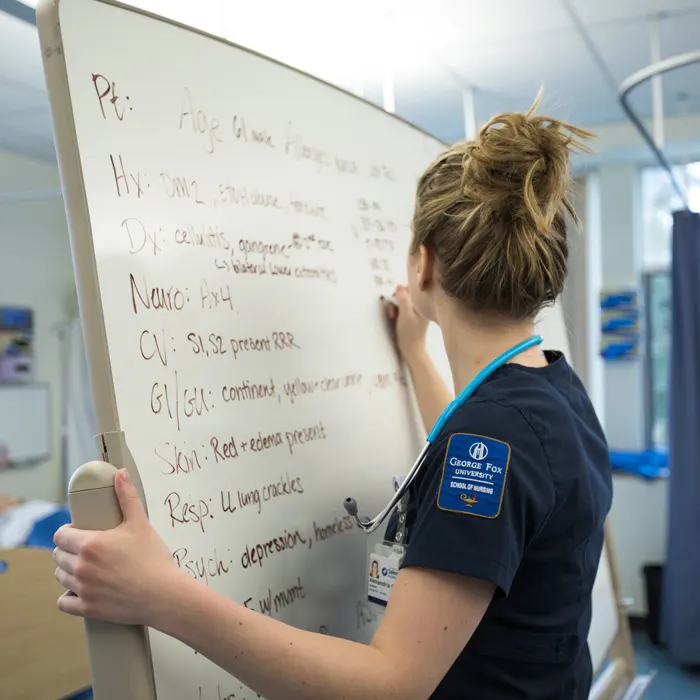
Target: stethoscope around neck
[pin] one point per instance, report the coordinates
(350, 504)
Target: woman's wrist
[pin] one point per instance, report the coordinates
(166, 598)
(416, 358)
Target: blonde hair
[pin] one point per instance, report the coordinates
(493, 213)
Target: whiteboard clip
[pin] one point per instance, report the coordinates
(114, 450)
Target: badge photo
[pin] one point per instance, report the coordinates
(384, 564)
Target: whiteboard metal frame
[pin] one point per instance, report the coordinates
(110, 440)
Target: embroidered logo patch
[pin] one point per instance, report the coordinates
(474, 475)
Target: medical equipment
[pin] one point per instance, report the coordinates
(350, 504)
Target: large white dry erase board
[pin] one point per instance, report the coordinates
(233, 223)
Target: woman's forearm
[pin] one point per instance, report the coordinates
(278, 661)
(432, 394)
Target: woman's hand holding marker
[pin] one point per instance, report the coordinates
(408, 326)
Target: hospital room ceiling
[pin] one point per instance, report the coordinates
(504, 49)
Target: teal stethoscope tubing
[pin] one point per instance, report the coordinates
(350, 504)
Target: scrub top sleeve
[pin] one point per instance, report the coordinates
(486, 493)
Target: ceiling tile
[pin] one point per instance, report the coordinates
(597, 11)
(505, 48)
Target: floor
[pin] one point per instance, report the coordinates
(670, 682)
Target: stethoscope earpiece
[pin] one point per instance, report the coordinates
(350, 505)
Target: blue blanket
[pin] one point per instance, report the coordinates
(43, 531)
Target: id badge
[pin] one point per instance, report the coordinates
(385, 558)
(384, 563)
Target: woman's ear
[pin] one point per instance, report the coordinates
(425, 268)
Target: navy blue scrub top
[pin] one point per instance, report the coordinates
(516, 492)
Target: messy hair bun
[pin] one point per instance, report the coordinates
(493, 212)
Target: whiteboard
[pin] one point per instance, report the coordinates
(233, 223)
(25, 422)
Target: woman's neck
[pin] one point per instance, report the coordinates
(472, 342)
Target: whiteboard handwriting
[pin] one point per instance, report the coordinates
(203, 567)
(128, 183)
(260, 554)
(273, 603)
(106, 90)
(200, 123)
(177, 460)
(155, 298)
